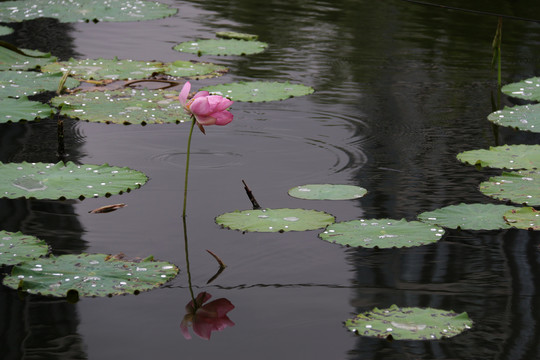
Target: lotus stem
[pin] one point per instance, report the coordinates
(193, 121)
(187, 263)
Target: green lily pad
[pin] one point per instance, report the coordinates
(5, 30)
(114, 69)
(84, 10)
(236, 35)
(14, 110)
(16, 248)
(89, 275)
(275, 220)
(26, 83)
(382, 233)
(221, 47)
(194, 69)
(528, 89)
(409, 323)
(124, 107)
(469, 216)
(66, 181)
(327, 192)
(17, 60)
(520, 187)
(524, 117)
(523, 218)
(506, 156)
(256, 91)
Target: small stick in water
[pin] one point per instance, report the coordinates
(251, 197)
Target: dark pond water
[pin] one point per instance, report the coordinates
(400, 90)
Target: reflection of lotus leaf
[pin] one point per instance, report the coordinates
(17, 247)
(511, 157)
(275, 220)
(327, 192)
(520, 187)
(89, 275)
(382, 233)
(84, 10)
(68, 181)
(469, 216)
(257, 91)
(409, 323)
(221, 47)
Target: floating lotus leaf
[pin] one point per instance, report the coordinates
(221, 47)
(193, 69)
(382, 233)
(327, 192)
(66, 181)
(67, 11)
(525, 117)
(5, 30)
(520, 187)
(256, 91)
(523, 218)
(527, 89)
(469, 216)
(13, 110)
(114, 69)
(89, 275)
(275, 220)
(13, 60)
(124, 106)
(17, 247)
(506, 156)
(395, 323)
(236, 35)
(26, 83)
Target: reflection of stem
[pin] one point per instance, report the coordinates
(187, 261)
(169, 82)
(60, 135)
(187, 167)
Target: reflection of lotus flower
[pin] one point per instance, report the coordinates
(206, 318)
(207, 109)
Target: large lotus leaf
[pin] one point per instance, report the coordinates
(236, 35)
(193, 69)
(382, 233)
(275, 220)
(89, 275)
(26, 83)
(114, 69)
(123, 107)
(255, 91)
(84, 10)
(520, 187)
(469, 216)
(523, 218)
(221, 47)
(506, 156)
(66, 181)
(327, 192)
(409, 323)
(5, 30)
(524, 117)
(16, 248)
(13, 60)
(13, 110)
(527, 89)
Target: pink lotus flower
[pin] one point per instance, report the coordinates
(206, 318)
(207, 109)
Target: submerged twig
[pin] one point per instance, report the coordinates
(251, 197)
